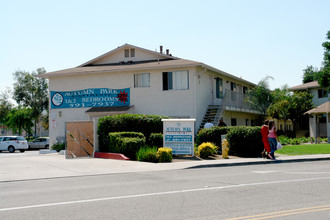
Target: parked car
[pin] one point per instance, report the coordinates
(13, 143)
(41, 142)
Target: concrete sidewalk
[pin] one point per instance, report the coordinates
(47, 166)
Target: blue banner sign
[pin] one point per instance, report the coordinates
(87, 98)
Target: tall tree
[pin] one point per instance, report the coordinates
(32, 92)
(5, 106)
(280, 108)
(20, 119)
(310, 74)
(301, 102)
(288, 105)
(324, 79)
(260, 97)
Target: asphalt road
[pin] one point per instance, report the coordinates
(280, 191)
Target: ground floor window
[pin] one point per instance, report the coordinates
(233, 121)
(142, 80)
(178, 80)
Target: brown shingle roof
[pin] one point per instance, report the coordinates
(324, 108)
(121, 68)
(162, 64)
(305, 86)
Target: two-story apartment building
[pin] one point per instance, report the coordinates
(131, 79)
(318, 124)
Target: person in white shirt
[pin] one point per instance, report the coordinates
(208, 124)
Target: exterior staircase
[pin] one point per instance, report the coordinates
(213, 113)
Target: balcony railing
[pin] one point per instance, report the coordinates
(236, 100)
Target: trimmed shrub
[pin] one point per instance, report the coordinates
(245, 141)
(147, 154)
(212, 135)
(206, 149)
(130, 146)
(114, 140)
(156, 139)
(164, 154)
(127, 143)
(58, 147)
(145, 124)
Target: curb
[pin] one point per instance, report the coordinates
(114, 156)
(257, 162)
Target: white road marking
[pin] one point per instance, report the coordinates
(264, 172)
(160, 193)
(307, 173)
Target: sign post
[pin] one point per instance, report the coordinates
(179, 135)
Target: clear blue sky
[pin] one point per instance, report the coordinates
(246, 38)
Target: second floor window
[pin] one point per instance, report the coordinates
(245, 90)
(219, 89)
(322, 93)
(233, 87)
(142, 80)
(178, 80)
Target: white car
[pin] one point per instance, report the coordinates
(41, 142)
(12, 143)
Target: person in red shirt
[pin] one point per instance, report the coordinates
(264, 133)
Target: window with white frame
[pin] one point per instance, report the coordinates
(233, 86)
(178, 80)
(126, 52)
(219, 88)
(142, 80)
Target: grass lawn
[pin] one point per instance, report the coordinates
(305, 149)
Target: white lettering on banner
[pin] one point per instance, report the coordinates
(100, 99)
(108, 91)
(78, 93)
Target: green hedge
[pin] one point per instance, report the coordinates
(127, 143)
(245, 141)
(212, 135)
(145, 124)
(156, 139)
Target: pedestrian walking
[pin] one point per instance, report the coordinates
(264, 134)
(272, 138)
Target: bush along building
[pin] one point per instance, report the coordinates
(131, 79)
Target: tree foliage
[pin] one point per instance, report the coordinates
(289, 105)
(260, 97)
(310, 74)
(301, 102)
(20, 119)
(31, 92)
(279, 109)
(5, 106)
(324, 79)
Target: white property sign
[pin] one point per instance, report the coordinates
(179, 135)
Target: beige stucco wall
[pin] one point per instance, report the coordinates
(191, 103)
(240, 117)
(316, 100)
(146, 100)
(118, 56)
